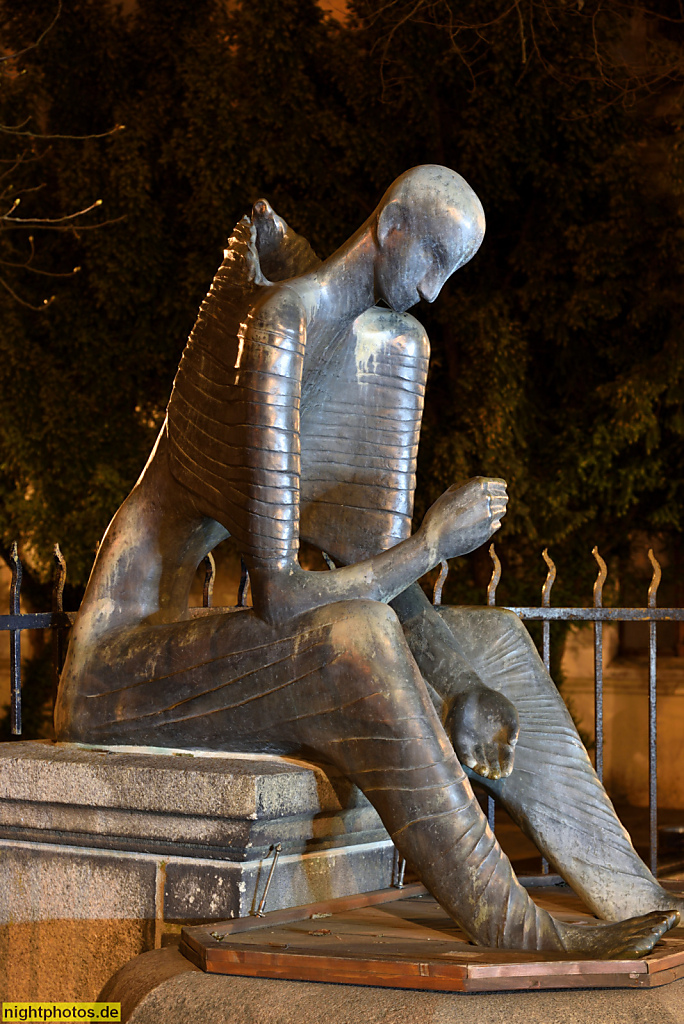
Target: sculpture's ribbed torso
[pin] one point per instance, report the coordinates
(257, 430)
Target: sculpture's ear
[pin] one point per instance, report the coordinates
(392, 218)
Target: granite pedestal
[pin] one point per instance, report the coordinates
(102, 852)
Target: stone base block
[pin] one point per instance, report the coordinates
(102, 852)
(150, 800)
(162, 987)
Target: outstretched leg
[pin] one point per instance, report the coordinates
(553, 792)
(341, 683)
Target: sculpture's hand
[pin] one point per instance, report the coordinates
(465, 516)
(484, 728)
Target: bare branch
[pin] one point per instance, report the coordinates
(8, 130)
(14, 128)
(22, 302)
(21, 191)
(40, 221)
(523, 41)
(41, 37)
(12, 223)
(36, 270)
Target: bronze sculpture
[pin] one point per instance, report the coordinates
(295, 412)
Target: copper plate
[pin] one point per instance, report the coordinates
(403, 939)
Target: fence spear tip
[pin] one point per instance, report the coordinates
(655, 579)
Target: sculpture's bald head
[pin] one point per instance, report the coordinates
(427, 225)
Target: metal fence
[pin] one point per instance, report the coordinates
(60, 622)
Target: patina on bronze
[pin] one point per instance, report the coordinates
(296, 412)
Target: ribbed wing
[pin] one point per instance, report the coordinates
(233, 416)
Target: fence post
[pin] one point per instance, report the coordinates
(652, 721)
(15, 641)
(209, 579)
(546, 603)
(546, 636)
(491, 601)
(598, 662)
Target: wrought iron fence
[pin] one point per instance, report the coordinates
(60, 622)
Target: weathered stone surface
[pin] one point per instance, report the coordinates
(40, 882)
(213, 889)
(239, 785)
(60, 960)
(234, 806)
(68, 918)
(163, 987)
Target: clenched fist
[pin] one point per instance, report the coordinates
(484, 729)
(465, 517)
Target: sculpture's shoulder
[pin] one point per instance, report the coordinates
(283, 306)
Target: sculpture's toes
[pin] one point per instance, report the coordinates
(626, 940)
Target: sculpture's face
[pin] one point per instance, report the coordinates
(417, 255)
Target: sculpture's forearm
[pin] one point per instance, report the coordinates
(462, 519)
(284, 593)
(433, 644)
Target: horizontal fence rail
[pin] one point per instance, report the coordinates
(599, 614)
(37, 620)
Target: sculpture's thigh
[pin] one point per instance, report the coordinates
(553, 792)
(232, 681)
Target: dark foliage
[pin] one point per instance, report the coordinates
(558, 354)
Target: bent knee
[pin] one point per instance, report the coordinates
(368, 635)
(382, 679)
(388, 332)
(363, 622)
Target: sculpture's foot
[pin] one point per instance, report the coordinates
(626, 940)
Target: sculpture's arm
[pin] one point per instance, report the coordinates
(464, 518)
(483, 723)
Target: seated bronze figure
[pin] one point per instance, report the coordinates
(296, 412)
